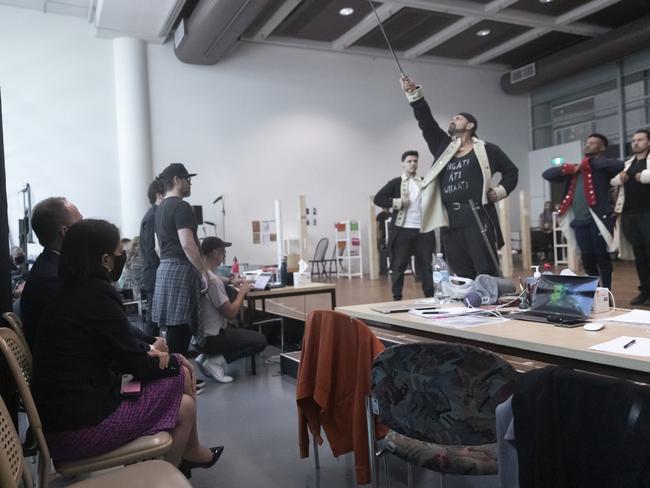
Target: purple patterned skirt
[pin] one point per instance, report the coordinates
(155, 410)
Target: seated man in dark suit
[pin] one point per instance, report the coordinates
(51, 219)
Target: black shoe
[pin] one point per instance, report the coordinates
(397, 299)
(639, 299)
(186, 467)
(646, 303)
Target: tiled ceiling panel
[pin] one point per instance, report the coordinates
(619, 14)
(467, 44)
(407, 28)
(538, 48)
(554, 8)
(319, 20)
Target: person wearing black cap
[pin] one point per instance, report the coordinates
(462, 171)
(220, 343)
(182, 274)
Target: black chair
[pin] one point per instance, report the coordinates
(333, 262)
(319, 258)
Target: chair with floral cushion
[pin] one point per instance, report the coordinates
(439, 401)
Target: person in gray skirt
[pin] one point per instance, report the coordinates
(182, 274)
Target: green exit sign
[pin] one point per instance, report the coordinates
(557, 161)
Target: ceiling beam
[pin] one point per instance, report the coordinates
(472, 9)
(276, 19)
(497, 5)
(369, 22)
(508, 46)
(441, 37)
(370, 52)
(568, 17)
(583, 11)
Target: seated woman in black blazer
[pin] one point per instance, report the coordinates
(84, 346)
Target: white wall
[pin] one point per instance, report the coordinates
(273, 122)
(58, 113)
(268, 122)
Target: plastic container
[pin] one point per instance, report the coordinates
(440, 276)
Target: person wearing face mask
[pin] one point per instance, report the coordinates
(88, 345)
(405, 236)
(221, 343)
(462, 171)
(51, 219)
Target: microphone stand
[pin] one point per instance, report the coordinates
(483, 231)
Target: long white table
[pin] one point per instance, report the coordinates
(537, 341)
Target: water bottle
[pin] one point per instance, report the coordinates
(440, 276)
(283, 271)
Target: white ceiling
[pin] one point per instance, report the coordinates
(74, 8)
(149, 20)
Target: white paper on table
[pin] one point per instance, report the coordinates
(640, 348)
(467, 321)
(634, 317)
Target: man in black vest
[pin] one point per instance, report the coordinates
(405, 237)
(462, 171)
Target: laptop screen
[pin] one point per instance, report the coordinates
(565, 295)
(262, 280)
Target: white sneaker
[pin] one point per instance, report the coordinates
(216, 371)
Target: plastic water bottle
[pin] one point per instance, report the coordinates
(440, 276)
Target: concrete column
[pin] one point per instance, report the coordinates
(133, 130)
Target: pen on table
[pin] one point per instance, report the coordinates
(631, 343)
(428, 312)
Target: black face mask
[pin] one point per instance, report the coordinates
(120, 261)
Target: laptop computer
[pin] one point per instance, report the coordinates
(405, 306)
(262, 281)
(565, 301)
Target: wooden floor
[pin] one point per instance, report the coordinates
(356, 291)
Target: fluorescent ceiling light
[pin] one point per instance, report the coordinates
(346, 11)
(483, 32)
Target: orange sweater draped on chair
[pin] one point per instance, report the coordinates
(333, 381)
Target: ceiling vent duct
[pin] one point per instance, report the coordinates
(603, 49)
(213, 28)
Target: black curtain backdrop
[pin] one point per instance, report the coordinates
(5, 272)
(7, 389)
